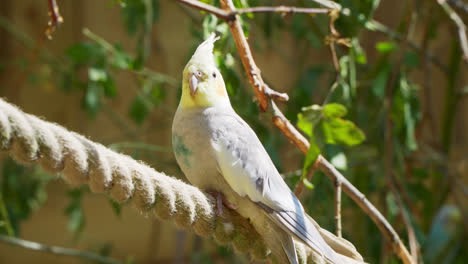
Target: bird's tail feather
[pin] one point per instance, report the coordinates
(302, 229)
(338, 244)
(290, 250)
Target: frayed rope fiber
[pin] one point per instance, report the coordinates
(30, 140)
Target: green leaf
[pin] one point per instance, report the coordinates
(97, 74)
(110, 90)
(334, 110)
(411, 59)
(339, 161)
(139, 110)
(92, 100)
(74, 211)
(157, 94)
(81, 53)
(385, 47)
(121, 59)
(380, 81)
(339, 131)
(116, 208)
(76, 220)
(307, 183)
(312, 154)
(358, 52)
(304, 124)
(309, 116)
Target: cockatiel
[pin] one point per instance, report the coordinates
(219, 152)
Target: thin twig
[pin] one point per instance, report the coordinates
(281, 10)
(460, 25)
(338, 207)
(206, 7)
(55, 18)
(413, 242)
(90, 256)
(230, 15)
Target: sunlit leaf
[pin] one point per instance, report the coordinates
(312, 154)
(339, 131)
(334, 110)
(307, 183)
(97, 74)
(304, 125)
(339, 161)
(385, 47)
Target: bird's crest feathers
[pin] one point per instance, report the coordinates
(204, 53)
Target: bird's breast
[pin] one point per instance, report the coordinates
(191, 143)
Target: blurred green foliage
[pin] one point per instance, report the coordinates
(341, 112)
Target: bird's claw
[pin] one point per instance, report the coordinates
(220, 201)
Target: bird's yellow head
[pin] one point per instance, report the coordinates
(202, 85)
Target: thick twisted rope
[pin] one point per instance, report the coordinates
(80, 161)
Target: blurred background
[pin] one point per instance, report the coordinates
(112, 72)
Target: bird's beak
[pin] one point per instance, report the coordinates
(193, 83)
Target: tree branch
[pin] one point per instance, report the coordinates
(281, 10)
(460, 25)
(206, 7)
(89, 256)
(230, 15)
(55, 18)
(338, 208)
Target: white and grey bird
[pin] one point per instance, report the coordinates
(219, 152)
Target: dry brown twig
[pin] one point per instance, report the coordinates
(231, 15)
(461, 27)
(265, 95)
(55, 18)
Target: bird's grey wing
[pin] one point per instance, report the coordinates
(248, 169)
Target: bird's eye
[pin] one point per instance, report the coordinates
(199, 73)
(214, 74)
